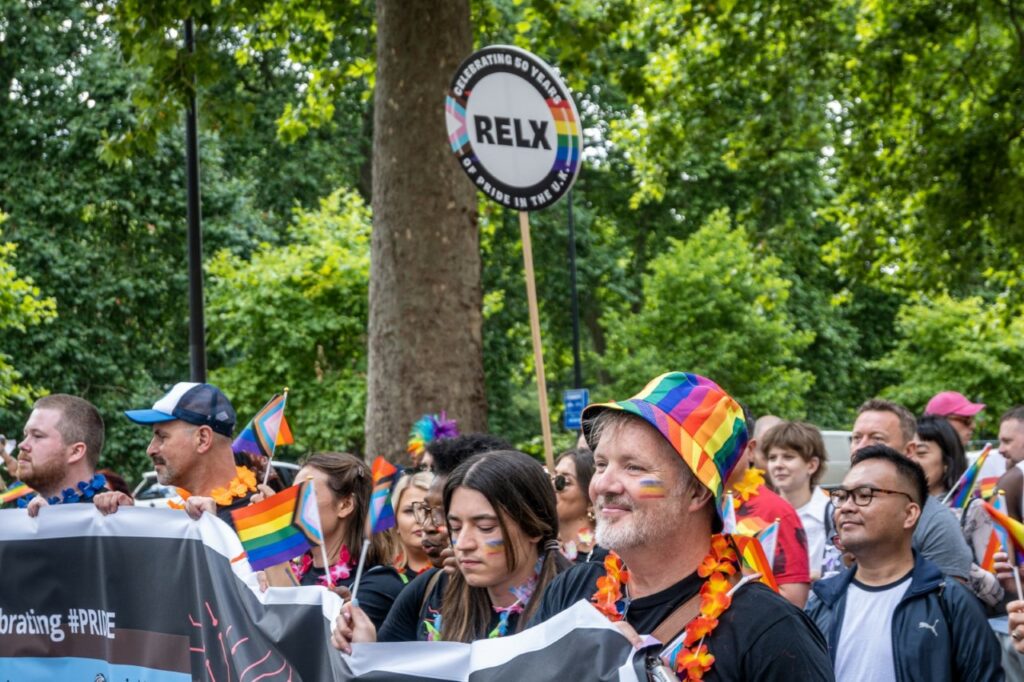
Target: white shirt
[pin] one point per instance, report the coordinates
(812, 516)
(865, 639)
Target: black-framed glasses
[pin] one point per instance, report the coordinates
(426, 515)
(862, 495)
(560, 482)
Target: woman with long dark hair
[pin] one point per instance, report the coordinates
(501, 515)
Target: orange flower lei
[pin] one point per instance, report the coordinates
(243, 482)
(691, 658)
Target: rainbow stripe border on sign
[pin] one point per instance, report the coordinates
(460, 138)
(567, 156)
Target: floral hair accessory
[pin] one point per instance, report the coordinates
(427, 428)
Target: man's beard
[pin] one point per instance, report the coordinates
(647, 523)
(45, 479)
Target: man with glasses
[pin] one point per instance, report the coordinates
(938, 536)
(893, 615)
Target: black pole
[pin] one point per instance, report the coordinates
(196, 326)
(576, 367)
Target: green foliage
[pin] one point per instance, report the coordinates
(714, 305)
(929, 119)
(21, 305)
(295, 315)
(325, 44)
(964, 344)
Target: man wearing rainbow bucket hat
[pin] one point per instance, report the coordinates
(661, 459)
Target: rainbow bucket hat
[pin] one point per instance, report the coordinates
(702, 422)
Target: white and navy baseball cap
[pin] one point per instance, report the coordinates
(199, 404)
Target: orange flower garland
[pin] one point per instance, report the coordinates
(691, 658)
(609, 588)
(243, 482)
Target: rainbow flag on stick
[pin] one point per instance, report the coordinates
(15, 492)
(962, 493)
(753, 557)
(769, 538)
(1009, 530)
(728, 513)
(280, 527)
(382, 514)
(267, 430)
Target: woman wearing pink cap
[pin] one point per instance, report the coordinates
(958, 410)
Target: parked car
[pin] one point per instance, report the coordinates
(150, 493)
(837, 445)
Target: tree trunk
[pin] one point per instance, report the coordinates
(425, 343)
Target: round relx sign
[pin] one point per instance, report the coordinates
(514, 127)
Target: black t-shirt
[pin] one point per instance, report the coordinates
(596, 555)
(378, 589)
(761, 636)
(408, 619)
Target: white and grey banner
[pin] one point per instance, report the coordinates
(148, 595)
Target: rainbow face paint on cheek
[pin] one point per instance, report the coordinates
(496, 546)
(651, 488)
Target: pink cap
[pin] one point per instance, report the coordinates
(951, 402)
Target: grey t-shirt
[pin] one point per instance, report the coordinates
(938, 538)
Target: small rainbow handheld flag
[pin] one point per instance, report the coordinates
(382, 514)
(15, 492)
(962, 493)
(267, 430)
(1014, 529)
(280, 527)
(728, 513)
(769, 538)
(753, 557)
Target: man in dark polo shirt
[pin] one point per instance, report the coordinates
(191, 450)
(661, 458)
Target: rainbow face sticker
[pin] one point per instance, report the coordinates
(651, 488)
(494, 547)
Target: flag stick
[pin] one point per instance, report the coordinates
(538, 350)
(956, 486)
(266, 474)
(359, 568)
(327, 565)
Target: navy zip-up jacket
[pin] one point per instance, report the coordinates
(961, 646)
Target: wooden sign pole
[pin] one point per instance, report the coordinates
(538, 350)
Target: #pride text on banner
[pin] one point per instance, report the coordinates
(149, 595)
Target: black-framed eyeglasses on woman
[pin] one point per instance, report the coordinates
(862, 495)
(426, 515)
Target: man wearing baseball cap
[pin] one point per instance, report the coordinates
(191, 450)
(958, 410)
(661, 459)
